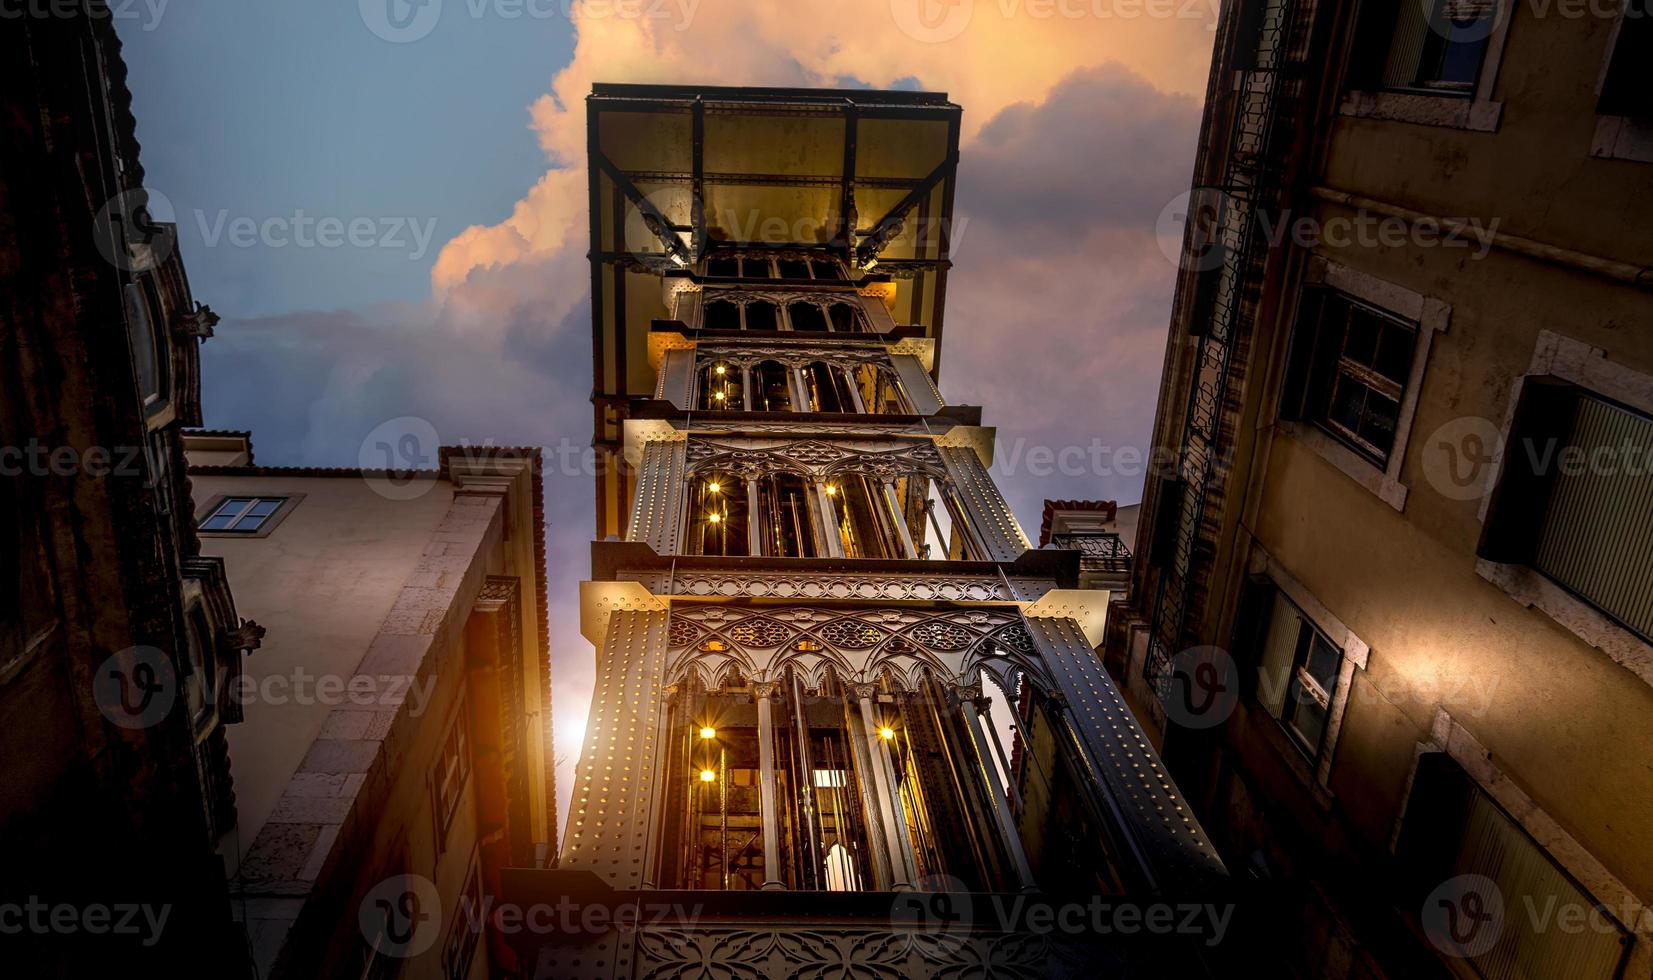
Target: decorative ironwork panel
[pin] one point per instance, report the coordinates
(989, 514)
(867, 586)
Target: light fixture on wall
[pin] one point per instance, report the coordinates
(708, 732)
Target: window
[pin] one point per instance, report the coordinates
(862, 519)
(1349, 366)
(465, 931)
(1433, 46)
(762, 315)
(717, 515)
(880, 392)
(142, 314)
(793, 268)
(828, 388)
(786, 524)
(771, 387)
(202, 683)
(1627, 86)
(846, 319)
(1575, 499)
(827, 269)
(1453, 828)
(720, 314)
(453, 766)
(727, 266)
(806, 317)
(242, 515)
(721, 388)
(1297, 673)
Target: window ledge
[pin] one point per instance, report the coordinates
(1350, 463)
(1623, 138)
(1535, 591)
(1450, 111)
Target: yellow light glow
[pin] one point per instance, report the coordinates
(718, 396)
(707, 775)
(722, 370)
(713, 518)
(708, 733)
(832, 491)
(886, 733)
(714, 487)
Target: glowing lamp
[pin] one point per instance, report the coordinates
(707, 776)
(886, 733)
(713, 518)
(708, 733)
(721, 369)
(714, 487)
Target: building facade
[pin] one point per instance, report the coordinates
(809, 600)
(395, 751)
(1392, 603)
(116, 632)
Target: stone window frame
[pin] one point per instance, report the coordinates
(1448, 736)
(1576, 362)
(1476, 113)
(1432, 317)
(1620, 137)
(1316, 774)
(290, 502)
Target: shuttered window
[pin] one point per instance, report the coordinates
(1597, 534)
(1549, 926)
(1575, 499)
(1417, 45)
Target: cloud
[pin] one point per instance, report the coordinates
(1078, 131)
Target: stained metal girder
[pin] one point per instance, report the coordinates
(657, 223)
(875, 239)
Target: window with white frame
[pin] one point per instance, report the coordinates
(1627, 83)
(1349, 366)
(1574, 499)
(1298, 666)
(1453, 829)
(242, 515)
(453, 766)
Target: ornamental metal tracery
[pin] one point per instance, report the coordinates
(817, 459)
(713, 642)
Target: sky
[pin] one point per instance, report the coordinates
(384, 200)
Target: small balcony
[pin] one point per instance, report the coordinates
(1100, 552)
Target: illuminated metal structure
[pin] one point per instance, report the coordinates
(807, 590)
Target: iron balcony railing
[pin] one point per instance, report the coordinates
(1100, 551)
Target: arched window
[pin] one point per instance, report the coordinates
(720, 314)
(727, 266)
(881, 392)
(720, 388)
(762, 315)
(771, 387)
(827, 269)
(793, 268)
(828, 388)
(846, 319)
(717, 515)
(806, 317)
(786, 525)
(862, 518)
